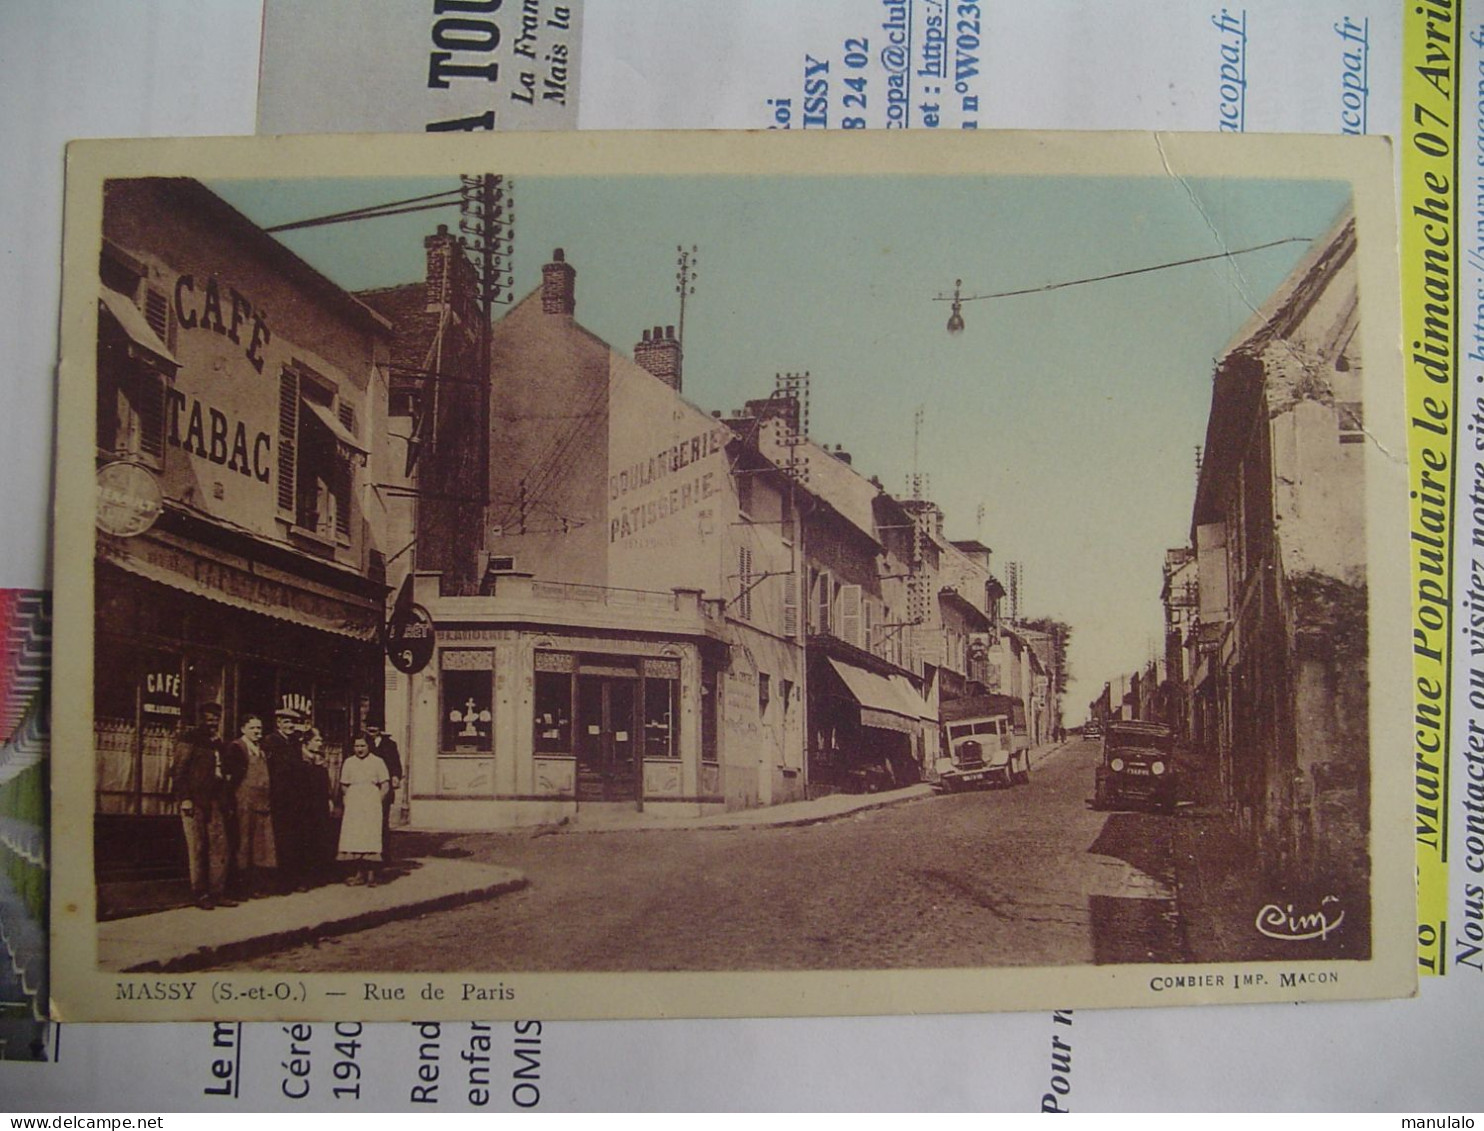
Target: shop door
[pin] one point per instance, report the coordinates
(607, 738)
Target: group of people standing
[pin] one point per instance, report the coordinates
(259, 811)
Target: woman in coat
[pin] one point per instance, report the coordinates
(317, 837)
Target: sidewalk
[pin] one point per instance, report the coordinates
(188, 938)
(790, 813)
(1217, 888)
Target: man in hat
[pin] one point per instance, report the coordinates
(205, 793)
(281, 749)
(384, 747)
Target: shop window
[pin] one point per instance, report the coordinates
(661, 711)
(553, 711)
(159, 687)
(205, 682)
(332, 717)
(115, 726)
(468, 703)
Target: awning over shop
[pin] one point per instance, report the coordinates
(132, 322)
(344, 440)
(914, 702)
(276, 600)
(886, 702)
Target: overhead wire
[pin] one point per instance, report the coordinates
(1123, 274)
(374, 211)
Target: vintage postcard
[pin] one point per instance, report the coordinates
(693, 575)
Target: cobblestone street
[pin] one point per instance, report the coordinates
(1003, 877)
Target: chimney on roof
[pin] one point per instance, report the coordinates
(658, 351)
(558, 285)
(841, 454)
(450, 276)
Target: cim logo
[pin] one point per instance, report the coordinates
(1283, 922)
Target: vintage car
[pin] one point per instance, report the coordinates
(1092, 729)
(1137, 767)
(984, 743)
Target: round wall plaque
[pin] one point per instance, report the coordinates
(129, 499)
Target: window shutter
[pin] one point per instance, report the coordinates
(288, 437)
(822, 594)
(790, 605)
(157, 314)
(850, 614)
(344, 474)
(151, 414)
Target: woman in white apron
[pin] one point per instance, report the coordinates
(363, 782)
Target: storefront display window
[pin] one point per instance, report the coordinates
(661, 708)
(160, 684)
(553, 712)
(468, 701)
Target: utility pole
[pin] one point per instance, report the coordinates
(487, 219)
(685, 283)
(793, 390)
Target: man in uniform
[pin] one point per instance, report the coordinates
(205, 792)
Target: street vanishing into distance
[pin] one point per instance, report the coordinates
(1022, 876)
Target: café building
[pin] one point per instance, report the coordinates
(239, 554)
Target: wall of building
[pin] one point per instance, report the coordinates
(549, 427)
(237, 319)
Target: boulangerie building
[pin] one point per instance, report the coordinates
(237, 391)
(630, 637)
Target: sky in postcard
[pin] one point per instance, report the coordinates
(1070, 416)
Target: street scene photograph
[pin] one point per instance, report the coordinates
(512, 573)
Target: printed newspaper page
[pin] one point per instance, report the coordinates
(648, 638)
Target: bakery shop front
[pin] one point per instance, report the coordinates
(542, 699)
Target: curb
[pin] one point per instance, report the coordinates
(732, 826)
(257, 945)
